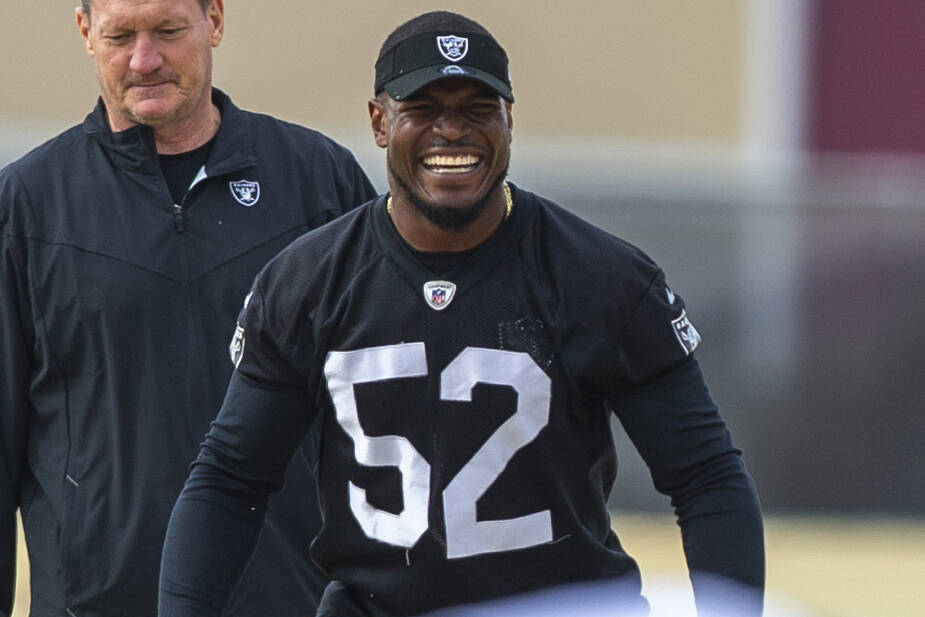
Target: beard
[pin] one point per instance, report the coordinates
(448, 217)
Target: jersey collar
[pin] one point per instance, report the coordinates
(465, 274)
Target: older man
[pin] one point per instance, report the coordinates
(464, 357)
(128, 243)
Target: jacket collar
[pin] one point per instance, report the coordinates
(134, 150)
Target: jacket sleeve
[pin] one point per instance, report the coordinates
(358, 190)
(352, 184)
(334, 172)
(15, 344)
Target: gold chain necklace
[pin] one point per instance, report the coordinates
(508, 202)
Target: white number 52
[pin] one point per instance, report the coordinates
(465, 535)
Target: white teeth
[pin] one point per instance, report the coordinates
(451, 170)
(450, 164)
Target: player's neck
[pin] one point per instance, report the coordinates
(424, 235)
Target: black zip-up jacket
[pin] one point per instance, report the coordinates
(116, 313)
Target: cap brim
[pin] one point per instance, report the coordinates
(405, 85)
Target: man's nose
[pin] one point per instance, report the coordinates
(451, 125)
(146, 55)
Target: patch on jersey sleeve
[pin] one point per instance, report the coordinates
(686, 333)
(439, 294)
(236, 348)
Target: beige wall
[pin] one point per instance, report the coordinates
(638, 71)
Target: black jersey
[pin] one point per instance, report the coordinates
(466, 452)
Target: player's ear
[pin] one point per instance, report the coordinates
(508, 106)
(215, 13)
(83, 26)
(377, 121)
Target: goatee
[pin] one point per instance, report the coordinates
(448, 217)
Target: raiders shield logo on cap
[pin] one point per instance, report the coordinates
(453, 48)
(245, 192)
(439, 294)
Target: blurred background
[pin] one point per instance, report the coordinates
(769, 154)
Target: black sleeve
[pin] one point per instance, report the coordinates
(360, 189)
(672, 420)
(265, 415)
(353, 186)
(676, 427)
(15, 366)
(215, 523)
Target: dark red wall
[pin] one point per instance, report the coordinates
(867, 76)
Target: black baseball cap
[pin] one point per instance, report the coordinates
(421, 59)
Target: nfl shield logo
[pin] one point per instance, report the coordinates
(439, 294)
(686, 333)
(245, 192)
(453, 48)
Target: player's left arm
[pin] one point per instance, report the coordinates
(667, 411)
(677, 429)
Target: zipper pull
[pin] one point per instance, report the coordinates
(178, 217)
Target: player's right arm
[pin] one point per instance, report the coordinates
(15, 363)
(216, 520)
(265, 415)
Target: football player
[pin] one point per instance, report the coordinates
(464, 342)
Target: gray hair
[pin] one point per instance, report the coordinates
(86, 4)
